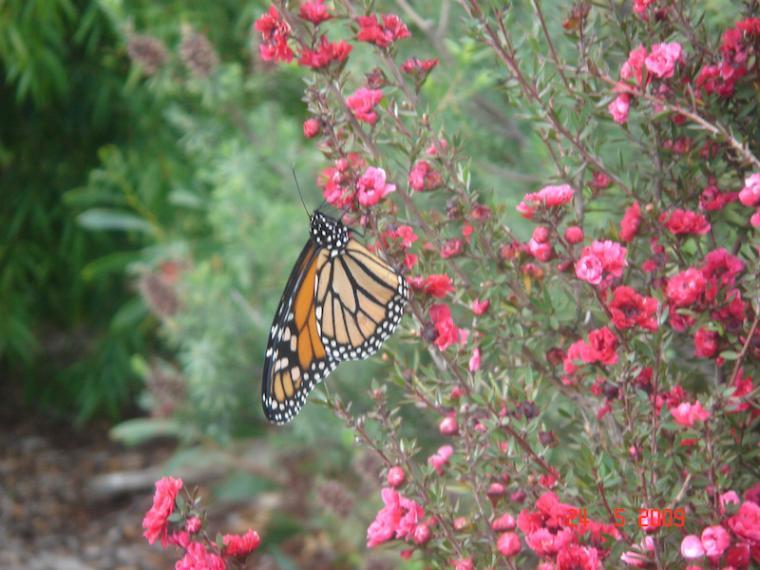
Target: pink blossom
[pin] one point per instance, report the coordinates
(326, 53)
(421, 534)
(275, 33)
(479, 307)
(372, 186)
(314, 11)
(687, 415)
(397, 519)
(474, 364)
(705, 343)
(746, 522)
(362, 104)
(311, 127)
(575, 556)
(754, 220)
(750, 194)
(589, 269)
(629, 225)
(691, 547)
(396, 476)
(504, 522)
(447, 332)
(662, 59)
(684, 222)
(728, 498)
(508, 544)
(156, 521)
(463, 564)
(574, 234)
(548, 197)
(448, 425)
(633, 68)
(685, 288)
(619, 108)
(451, 248)
(715, 540)
(640, 8)
(198, 558)
(193, 525)
(440, 458)
(241, 545)
(384, 33)
(423, 177)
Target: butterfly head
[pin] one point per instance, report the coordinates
(329, 232)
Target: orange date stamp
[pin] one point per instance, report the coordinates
(645, 518)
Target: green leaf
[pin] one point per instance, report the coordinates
(139, 430)
(105, 219)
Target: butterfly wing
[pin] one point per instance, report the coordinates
(296, 359)
(359, 302)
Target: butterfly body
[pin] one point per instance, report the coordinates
(340, 303)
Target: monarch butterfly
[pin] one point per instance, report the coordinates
(340, 303)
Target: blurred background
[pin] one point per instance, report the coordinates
(148, 222)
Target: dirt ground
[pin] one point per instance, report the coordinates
(49, 517)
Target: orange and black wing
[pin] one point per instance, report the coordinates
(359, 302)
(296, 359)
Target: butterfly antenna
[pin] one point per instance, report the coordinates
(300, 194)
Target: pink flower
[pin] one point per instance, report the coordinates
(639, 558)
(479, 307)
(662, 59)
(705, 343)
(275, 33)
(508, 544)
(629, 309)
(383, 34)
(156, 521)
(685, 288)
(441, 458)
(396, 476)
(575, 556)
(241, 544)
(504, 522)
(715, 540)
(629, 225)
(314, 11)
(448, 425)
(423, 177)
(541, 251)
(325, 54)
(372, 186)
(684, 222)
(746, 522)
(437, 285)
(447, 332)
(754, 219)
(750, 194)
(691, 547)
(687, 415)
(451, 248)
(574, 234)
(311, 127)
(474, 364)
(619, 108)
(728, 498)
(589, 269)
(198, 558)
(548, 197)
(640, 8)
(463, 564)
(633, 68)
(418, 67)
(604, 345)
(421, 534)
(601, 257)
(397, 519)
(193, 525)
(363, 102)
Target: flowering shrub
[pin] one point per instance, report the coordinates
(177, 518)
(604, 365)
(574, 385)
